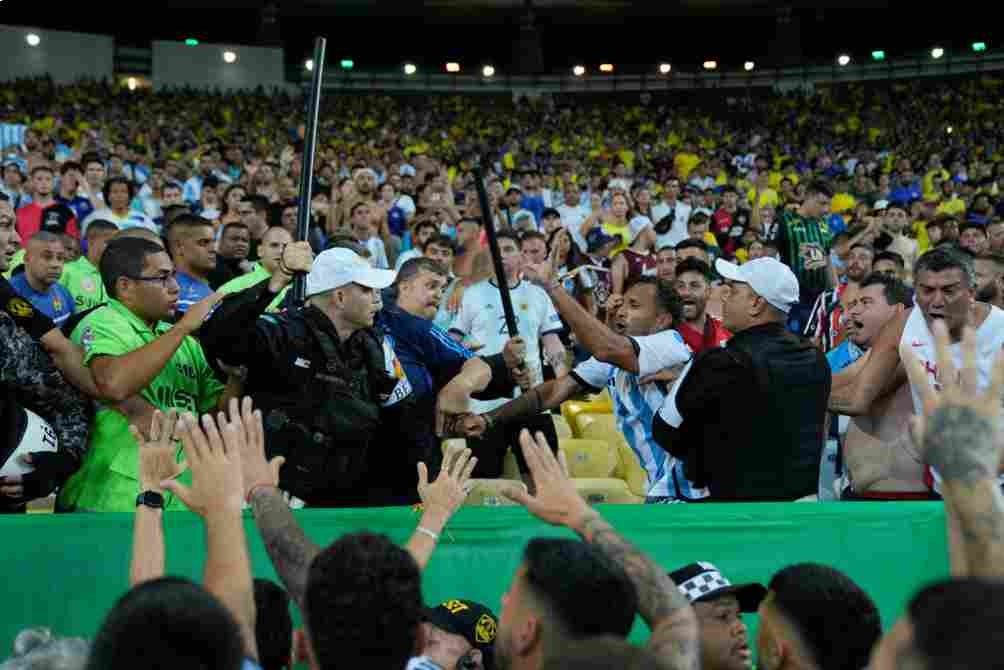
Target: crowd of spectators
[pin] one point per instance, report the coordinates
(748, 277)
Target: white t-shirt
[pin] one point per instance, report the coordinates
(989, 342)
(482, 320)
(378, 254)
(635, 407)
(572, 219)
(133, 219)
(676, 234)
(406, 204)
(406, 256)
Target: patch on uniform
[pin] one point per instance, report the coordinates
(19, 308)
(57, 304)
(87, 338)
(88, 284)
(484, 631)
(523, 306)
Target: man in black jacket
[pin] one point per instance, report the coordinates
(747, 419)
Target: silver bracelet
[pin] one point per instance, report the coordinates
(425, 531)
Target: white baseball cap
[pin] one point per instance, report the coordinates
(769, 278)
(638, 225)
(338, 267)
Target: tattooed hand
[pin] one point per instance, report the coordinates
(958, 433)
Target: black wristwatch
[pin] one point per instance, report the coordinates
(150, 499)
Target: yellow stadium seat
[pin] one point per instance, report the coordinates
(570, 409)
(488, 492)
(630, 470)
(590, 426)
(561, 427)
(605, 490)
(590, 459)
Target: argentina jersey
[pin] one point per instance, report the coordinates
(635, 407)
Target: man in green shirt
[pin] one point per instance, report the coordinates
(81, 277)
(270, 252)
(130, 350)
(804, 244)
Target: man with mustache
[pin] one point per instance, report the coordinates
(826, 323)
(699, 329)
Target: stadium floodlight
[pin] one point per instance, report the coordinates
(488, 71)
(665, 68)
(937, 52)
(979, 46)
(579, 70)
(348, 64)
(131, 83)
(878, 55)
(410, 69)
(710, 65)
(191, 42)
(32, 39)
(453, 67)
(229, 57)
(843, 60)
(949, 130)
(749, 65)
(607, 67)
(309, 65)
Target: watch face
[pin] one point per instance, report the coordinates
(150, 499)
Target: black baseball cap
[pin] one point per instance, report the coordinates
(549, 213)
(703, 582)
(470, 620)
(56, 218)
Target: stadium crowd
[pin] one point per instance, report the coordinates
(765, 291)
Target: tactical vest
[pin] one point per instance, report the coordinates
(324, 428)
(778, 457)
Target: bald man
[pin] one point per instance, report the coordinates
(44, 257)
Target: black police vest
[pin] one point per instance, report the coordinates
(780, 458)
(324, 429)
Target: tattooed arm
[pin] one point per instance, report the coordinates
(666, 611)
(289, 548)
(962, 441)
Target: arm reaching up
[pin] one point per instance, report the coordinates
(960, 433)
(666, 611)
(441, 499)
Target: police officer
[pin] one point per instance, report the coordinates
(320, 374)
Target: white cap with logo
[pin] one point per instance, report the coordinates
(769, 278)
(638, 224)
(338, 267)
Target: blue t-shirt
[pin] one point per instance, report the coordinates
(57, 304)
(535, 204)
(80, 205)
(192, 291)
(843, 356)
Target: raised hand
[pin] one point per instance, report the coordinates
(447, 493)
(199, 312)
(158, 454)
(556, 501)
(214, 455)
(256, 469)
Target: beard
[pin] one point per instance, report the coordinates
(988, 293)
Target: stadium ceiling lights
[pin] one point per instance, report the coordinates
(348, 64)
(229, 57)
(665, 68)
(749, 65)
(488, 71)
(309, 65)
(979, 46)
(710, 65)
(191, 42)
(607, 68)
(843, 60)
(579, 70)
(453, 67)
(410, 69)
(937, 52)
(131, 83)
(878, 55)
(32, 39)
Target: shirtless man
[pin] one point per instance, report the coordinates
(880, 462)
(945, 283)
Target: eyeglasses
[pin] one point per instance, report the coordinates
(163, 280)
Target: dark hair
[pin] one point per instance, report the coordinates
(601, 653)
(237, 225)
(956, 623)
(352, 210)
(226, 194)
(424, 223)
(695, 265)
(70, 165)
(890, 256)
(692, 244)
(172, 212)
(838, 622)
(441, 241)
(944, 258)
(973, 226)
(507, 235)
(171, 184)
(172, 620)
(586, 592)
(91, 157)
(862, 245)
(259, 202)
(532, 235)
(344, 242)
(42, 168)
(100, 226)
(180, 225)
(125, 257)
(894, 290)
(819, 187)
(107, 189)
(699, 218)
(273, 629)
(363, 603)
(470, 219)
(575, 257)
(413, 266)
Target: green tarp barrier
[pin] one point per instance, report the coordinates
(65, 571)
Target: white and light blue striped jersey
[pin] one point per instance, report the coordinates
(635, 407)
(12, 134)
